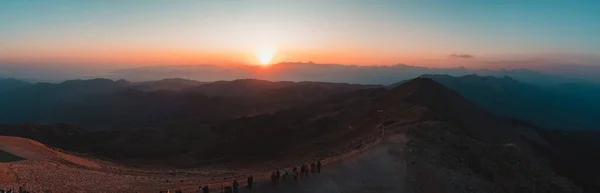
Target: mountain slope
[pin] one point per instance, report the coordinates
(7, 84)
(543, 106)
(445, 140)
(106, 104)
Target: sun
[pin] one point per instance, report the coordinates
(265, 55)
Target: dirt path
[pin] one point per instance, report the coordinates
(380, 169)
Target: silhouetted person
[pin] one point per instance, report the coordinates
(228, 189)
(284, 175)
(312, 167)
(178, 191)
(250, 181)
(295, 174)
(205, 189)
(273, 178)
(305, 169)
(277, 177)
(319, 166)
(235, 186)
(199, 189)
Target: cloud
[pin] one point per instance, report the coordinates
(461, 56)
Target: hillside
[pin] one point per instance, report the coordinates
(439, 136)
(102, 104)
(546, 107)
(7, 84)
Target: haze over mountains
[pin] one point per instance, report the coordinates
(298, 71)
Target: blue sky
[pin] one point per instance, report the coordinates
(349, 31)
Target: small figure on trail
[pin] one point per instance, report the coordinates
(302, 168)
(199, 189)
(273, 178)
(178, 191)
(284, 175)
(235, 186)
(305, 169)
(319, 166)
(228, 189)
(295, 174)
(250, 181)
(205, 189)
(312, 167)
(277, 177)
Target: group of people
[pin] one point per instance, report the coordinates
(276, 177)
(21, 190)
(305, 169)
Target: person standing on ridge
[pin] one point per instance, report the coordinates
(277, 177)
(250, 181)
(319, 166)
(295, 174)
(273, 178)
(235, 186)
(284, 175)
(205, 189)
(305, 169)
(312, 167)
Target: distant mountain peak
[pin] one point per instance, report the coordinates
(452, 106)
(95, 81)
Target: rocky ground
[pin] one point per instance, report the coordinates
(430, 157)
(455, 162)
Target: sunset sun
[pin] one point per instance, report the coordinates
(265, 55)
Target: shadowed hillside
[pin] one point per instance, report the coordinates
(547, 107)
(102, 104)
(7, 84)
(448, 140)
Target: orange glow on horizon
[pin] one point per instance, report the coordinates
(263, 56)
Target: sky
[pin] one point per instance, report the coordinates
(363, 32)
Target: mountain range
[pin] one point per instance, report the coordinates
(108, 104)
(299, 71)
(480, 129)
